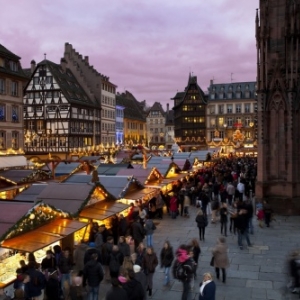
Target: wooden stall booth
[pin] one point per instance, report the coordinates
(33, 230)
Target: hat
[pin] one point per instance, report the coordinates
(136, 268)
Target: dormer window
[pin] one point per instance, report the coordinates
(13, 66)
(230, 88)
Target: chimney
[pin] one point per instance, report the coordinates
(167, 108)
(63, 64)
(86, 59)
(211, 82)
(33, 65)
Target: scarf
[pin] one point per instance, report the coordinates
(203, 286)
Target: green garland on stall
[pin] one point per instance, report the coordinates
(33, 219)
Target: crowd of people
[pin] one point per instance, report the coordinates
(123, 254)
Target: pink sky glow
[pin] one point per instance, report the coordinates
(147, 47)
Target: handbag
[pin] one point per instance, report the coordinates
(212, 261)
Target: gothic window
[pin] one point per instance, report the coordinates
(15, 140)
(15, 114)
(2, 112)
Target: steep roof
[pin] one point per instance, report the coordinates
(132, 106)
(70, 87)
(4, 52)
(156, 107)
(191, 81)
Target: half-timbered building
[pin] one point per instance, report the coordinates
(189, 116)
(59, 113)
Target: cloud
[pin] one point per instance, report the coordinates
(147, 47)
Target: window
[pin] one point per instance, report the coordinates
(212, 135)
(229, 122)
(247, 107)
(40, 125)
(15, 113)
(2, 140)
(221, 121)
(141, 127)
(62, 141)
(2, 86)
(247, 121)
(35, 80)
(14, 88)
(229, 108)
(43, 142)
(13, 66)
(2, 112)
(49, 79)
(221, 109)
(52, 142)
(211, 109)
(156, 121)
(15, 140)
(238, 108)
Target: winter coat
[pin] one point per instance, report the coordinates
(134, 290)
(140, 257)
(37, 282)
(106, 251)
(230, 189)
(142, 278)
(79, 254)
(116, 259)
(187, 201)
(138, 232)
(98, 241)
(88, 255)
(173, 204)
(52, 290)
(220, 256)
(49, 264)
(65, 264)
(196, 253)
(166, 257)
(77, 293)
(123, 227)
(92, 273)
(201, 221)
(124, 249)
(116, 292)
(209, 292)
(149, 227)
(150, 262)
(223, 214)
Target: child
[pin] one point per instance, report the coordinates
(260, 214)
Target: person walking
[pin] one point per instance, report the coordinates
(133, 288)
(140, 254)
(149, 229)
(186, 204)
(224, 218)
(116, 291)
(106, 251)
(207, 288)
(242, 227)
(195, 248)
(116, 259)
(138, 232)
(201, 221)
(149, 263)
(183, 270)
(173, 205)
(141, 277)
(230, 189)
(221, 260)
(93, 275)
(241, 189)
(65, 265)
(267, 212)
(166, 259)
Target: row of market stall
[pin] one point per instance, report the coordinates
(40, 215)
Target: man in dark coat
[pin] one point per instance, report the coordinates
(141, 277)
(116, 291)
(133, 288)
(138, 232)
(93, 275)
(242, 227)
(106, 251)
(123, 226)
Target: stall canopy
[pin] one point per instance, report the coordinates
(11, 213)
(24, 176)
(43, 236)
(66, 168)
(110, 169)
(67, 197)
(102, 210)
(31, 194)
(143, 175)
(13, 161)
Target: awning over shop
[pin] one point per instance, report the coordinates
(43, 236)
(135, 195)
(13, 161)
(65, 169)
(103, 210)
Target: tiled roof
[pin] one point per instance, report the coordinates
(70, 87)
(179, 95)
(156, 107)
(6, 68)
(8, 53)
(132, 106)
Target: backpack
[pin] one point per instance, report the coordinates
(179, 272)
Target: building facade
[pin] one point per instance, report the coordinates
(12, 81)
(231, 115)
(156, 119)
(278, 84)
(169, 128)
(59, 114)
(134, 119)
(189, 116)
(108, 112)
(119, 125)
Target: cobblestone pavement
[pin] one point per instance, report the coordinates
(258, 272)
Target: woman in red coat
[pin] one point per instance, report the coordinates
(173, 205)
